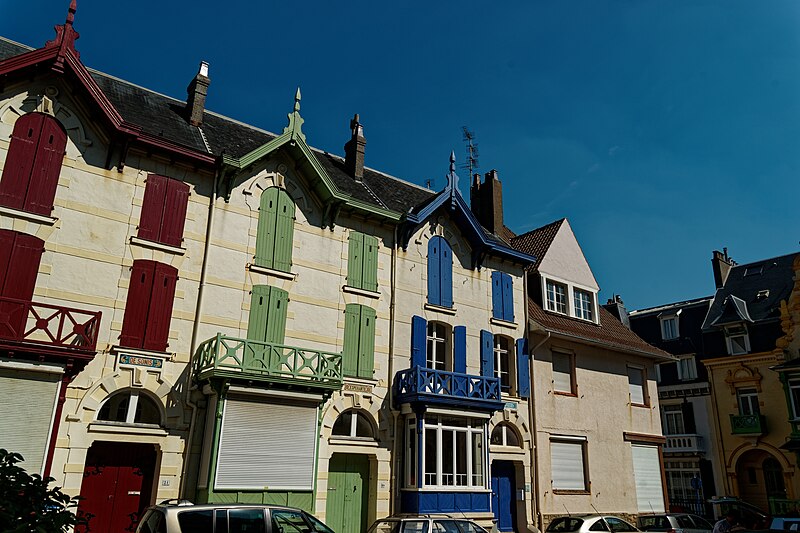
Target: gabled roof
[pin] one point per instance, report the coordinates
(752, 293)
(536, 242)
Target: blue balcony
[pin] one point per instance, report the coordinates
(424, 386)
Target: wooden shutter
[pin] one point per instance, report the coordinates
(7, 238)
(47, 168)
(366, 344)
(21, 265)
(259, 313)
(497, 295)
(647, 473)
(276, 321)
(446, 274)
(155, 191)
(370, 270)
(159, 316)
(355, 259)
(20, 160)
(284, 232)
(267, 218)
(176, 202)
(434, 271)
(460, 349)
(137, 304)
(419, 341)
(352, 327)
(566, 465)
(487, 354)
(508, 297)
(523, 369)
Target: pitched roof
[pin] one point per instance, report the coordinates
(610, 333)
(536, 242)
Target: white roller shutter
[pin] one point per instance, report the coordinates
(566, 464)
(636, 385)
(28, 401)
(267, 445)
(647, 472)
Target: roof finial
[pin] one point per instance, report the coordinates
(452, 161)
(73, 7)
(297, 98)
(295, 120)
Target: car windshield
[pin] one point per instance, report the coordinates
(415, 526)
(386, 526)
(456, 526)
(654, 523)
(318, 526)
(565, 524)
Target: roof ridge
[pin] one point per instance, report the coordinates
(559, 221)
(382, 173)
(6, 39)
(751, 263)
(671, 304)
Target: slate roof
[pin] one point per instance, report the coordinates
(739, 297)
(536, 242)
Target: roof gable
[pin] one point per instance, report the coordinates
(537, 241)
(564, 259)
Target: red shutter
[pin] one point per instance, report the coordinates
(7, 238)
(152, 207)
(19, 160)
(138, 304)
(174, 213)
(161, 301)
(47, 168)
(23, 267)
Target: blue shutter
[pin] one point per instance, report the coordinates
(508, 297)
(497, 295)
(419, 340)
(446, 273)
(460, 349)
(523, 369)
(487, 354)
(434, 280)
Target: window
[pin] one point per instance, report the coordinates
(636, 386)
(362, 261)
(130, 407)
(359, 341)
(748, 401)
(440, 272)
(617, 525)
(411, 453)
(438, 357)
(286, 521)
(505, 435)
(275, 230)
(794, 394)
(502, 296)
(148, 309)
(556, 297)
(567, 460)
(198, 521)
(563, 373)
(453, 452)
(687, 370)
(680, 476)
(737, 340)
(669, 328)
(673, 420)
(267, 319)
(163, 210)
(584, 304)
(353, 424)
(504, 363)
(33, 164)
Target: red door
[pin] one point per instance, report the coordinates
(117, 486)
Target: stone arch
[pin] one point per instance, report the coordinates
(367, 405)
(274, 177)
(741, 450)
(518, 422)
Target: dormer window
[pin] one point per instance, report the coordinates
(669, 328)
(584, 304)
(556, 297)
(737, 339)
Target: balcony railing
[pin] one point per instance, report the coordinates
(229, 357)
(420, 384)
(748, 424)
(48, 326)
(684, 443)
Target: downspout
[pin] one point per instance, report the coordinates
(532, 416)
(195, 328)
(395, 414)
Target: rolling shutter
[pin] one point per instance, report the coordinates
(647, 473)
(266, 446)
(175, 204)
(20, 160)
(419, 341)
(47, 168)
(460, 349)
(566, 465)
(28, 400)
(487, 354)
(523, 369)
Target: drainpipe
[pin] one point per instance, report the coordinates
(193, 345)
(395, 414)
(532, 416)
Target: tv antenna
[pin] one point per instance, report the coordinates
(471, 163)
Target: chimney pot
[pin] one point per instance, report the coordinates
(196, 95)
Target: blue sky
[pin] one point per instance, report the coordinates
(661, 129)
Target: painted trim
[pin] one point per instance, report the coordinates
(24, 215)
(361, 292)
(644, 438)
(290, 276)
(503, 323)
(439, 309)
(157, 246)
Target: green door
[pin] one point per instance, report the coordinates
(348, 493)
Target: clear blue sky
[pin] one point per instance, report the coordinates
(661, 129)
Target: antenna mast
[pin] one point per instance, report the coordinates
(471, 163)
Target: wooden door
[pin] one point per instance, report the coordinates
(504, 505)
(117, 486)
(348, 493)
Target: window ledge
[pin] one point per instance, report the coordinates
(570, 491)
(177, 250)
(503, 323)
(567, 394)
(439, 309)
(272, 272)
(639, 405)
(32, 217)
(361, 292)
(354, 441)
(131, 429)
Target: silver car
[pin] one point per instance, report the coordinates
(425, 524)
(587, 523)
(677, 522)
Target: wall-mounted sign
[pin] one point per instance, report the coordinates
(357, 387)
(511, 405)
(140, 360)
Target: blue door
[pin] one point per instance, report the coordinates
(504, 505)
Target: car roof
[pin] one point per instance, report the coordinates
(212, 506)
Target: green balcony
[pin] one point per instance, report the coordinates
(748, 425)
(245, 359)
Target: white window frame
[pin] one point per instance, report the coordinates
(505, 428)
(553, 305)
(675, 412)
(412, 454)
(737, 331)
(645, 399)
(133, 404)
(687, 368)
(508, 353)
(747, 400)
(577, 441)
(353, 433)
(439, 344)
(666, 319)
(473, 428)
(583, 302)
(794, 385)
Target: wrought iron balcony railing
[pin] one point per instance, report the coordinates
(230, 357)
(684, 443)
(419, 384)
(48, 326)
(748, 425)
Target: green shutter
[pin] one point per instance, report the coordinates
(265, 238)
(352, 327)
(284, 232)
(259, 312)
(366, 351)
(355, 260)
(370, 270)
(276, 322)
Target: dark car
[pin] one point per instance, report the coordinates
(677, 522)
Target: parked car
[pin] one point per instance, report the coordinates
(785, 523)
(211, 518)
(588, 523)
(750, 516)
(425, 524)
(675, 522)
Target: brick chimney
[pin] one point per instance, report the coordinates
(486, 200)
(196, 95)
(616, 307)
(721, 264)
(354, 150)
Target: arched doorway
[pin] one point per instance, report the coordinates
(759, 477)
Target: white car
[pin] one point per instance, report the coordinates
(587, 523)
(425, 524)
